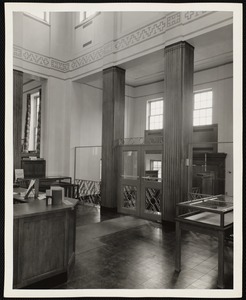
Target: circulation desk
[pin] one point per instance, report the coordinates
(44, 241)
(211, 215)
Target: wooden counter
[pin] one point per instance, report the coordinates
(44, 240)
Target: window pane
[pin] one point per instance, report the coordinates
(209, 102)
(156, 165)
(197, 104)
(156, 107)
(197, 97)
(202, 114)
(155, 117)
(130, 163)
(156, 122)
(196, 114)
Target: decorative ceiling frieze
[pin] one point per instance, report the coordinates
(134, 38)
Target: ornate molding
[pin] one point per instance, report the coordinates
(31, 57)
(87, 59)
(40, 60)
(59, 65)
(141, 35)
(174, 19)
(192, 15)
(134, 38)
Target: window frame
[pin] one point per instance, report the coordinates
(148, 116)
(35, 97)
(203, 108)
(152, 161)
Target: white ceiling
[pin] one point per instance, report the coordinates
(211, 49)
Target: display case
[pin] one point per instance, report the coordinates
(212, 215)
(211, 210)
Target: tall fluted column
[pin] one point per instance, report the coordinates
(112, 129)
(178, 119)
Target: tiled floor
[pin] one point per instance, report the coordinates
(122, 252)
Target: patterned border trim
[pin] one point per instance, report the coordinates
(191, 15)
(143, 34)
(40, 60)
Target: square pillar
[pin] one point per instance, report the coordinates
(177, 125)
(112, 129)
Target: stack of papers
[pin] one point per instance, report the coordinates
(41, 196)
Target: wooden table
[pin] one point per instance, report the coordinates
(44, 240)
(71, 190)
(208, 221)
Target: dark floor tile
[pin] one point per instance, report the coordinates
(141, 256)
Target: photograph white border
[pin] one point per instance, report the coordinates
(236, 8)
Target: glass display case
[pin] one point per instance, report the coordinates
(212, 210)
(211, 215)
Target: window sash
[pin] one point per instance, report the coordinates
(155, 114)
(203, 106)
(156, 165)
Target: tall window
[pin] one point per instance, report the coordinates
(37, 102)
(155, 165)
(155, 114)
(35, 105)
(85, 15)
(203, 105)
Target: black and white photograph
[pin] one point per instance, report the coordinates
(123, 150)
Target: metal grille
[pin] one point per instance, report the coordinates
(152, 200)
(129, 196)
(89, 191)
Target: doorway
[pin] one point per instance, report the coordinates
(140, 181)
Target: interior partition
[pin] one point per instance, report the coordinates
(88, 173)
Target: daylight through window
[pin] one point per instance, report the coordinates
(156, 166)
(155, 114)
(203, 103)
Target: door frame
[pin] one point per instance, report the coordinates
(138, 181)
